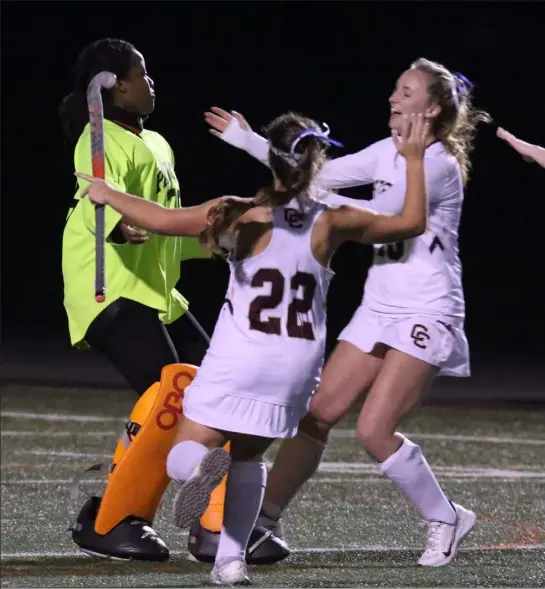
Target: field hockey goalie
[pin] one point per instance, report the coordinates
(117, 525)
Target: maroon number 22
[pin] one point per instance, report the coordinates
(272, 325)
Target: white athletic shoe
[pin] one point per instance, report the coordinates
(234, 572)
(444, 539)
(193, 497)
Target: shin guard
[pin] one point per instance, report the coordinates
(212, 518)
(138, 477)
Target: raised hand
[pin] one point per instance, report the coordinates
(220, 119)
(413, 141)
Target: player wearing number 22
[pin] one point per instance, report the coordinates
(267, 351)
(410, 324)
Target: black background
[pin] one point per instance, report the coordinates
(334, 61)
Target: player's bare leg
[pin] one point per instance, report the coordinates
(400, 385)
(348, 373)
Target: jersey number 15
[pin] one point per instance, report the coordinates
(302, 305)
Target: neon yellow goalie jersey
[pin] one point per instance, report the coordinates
(142, 165)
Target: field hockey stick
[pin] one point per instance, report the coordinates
(96, 119)
(199, 327)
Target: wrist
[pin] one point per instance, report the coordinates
(109, 194)
(234, 135)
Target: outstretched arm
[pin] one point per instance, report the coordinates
(234, 129)
(529, 152)
(351, 170)
(368, 227)
(190, 221)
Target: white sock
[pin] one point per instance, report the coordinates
(297, 460)
(183, 459)
(244, 495)
(411, 474)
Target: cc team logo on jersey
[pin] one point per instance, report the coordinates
(293, 218)
(381, 186)
(420, 336)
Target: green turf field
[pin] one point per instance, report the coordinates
(348, 528)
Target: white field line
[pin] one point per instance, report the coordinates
(371, 473)
(50, 481)
(60, 417)
(61, 454)
(342, 467)
(352, 549)
(335, 433)
(30, 434)
(470, 471)
(315, 481)
(350, 433)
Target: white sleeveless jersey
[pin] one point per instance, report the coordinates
(269, 340)
(422, 275)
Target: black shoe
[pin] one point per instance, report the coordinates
(263, 547)
(271, 524)
(131, 539)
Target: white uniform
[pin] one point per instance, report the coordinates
(267, 350)
(413, 299)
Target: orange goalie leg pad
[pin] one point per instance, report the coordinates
(212, 518)
(139, 478)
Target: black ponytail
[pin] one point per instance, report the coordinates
(73, 115)
(112, 55)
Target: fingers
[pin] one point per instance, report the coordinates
(217, 122)
(406, 130)
(411, 141)
(215, 133)
(241, 120)
(395, 137)
(505, 135)
(84, 176)
(222, 113)
(509, 137)
(419, 128)
(139, 238)
(425, 130)
(524, 148)
(134, 234)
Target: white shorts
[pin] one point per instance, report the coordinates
(231, 412)
(433, 340)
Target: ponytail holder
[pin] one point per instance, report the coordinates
(461, 87)
(293, 158)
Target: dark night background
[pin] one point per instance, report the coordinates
(334, 61)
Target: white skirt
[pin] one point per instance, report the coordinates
(433, 340)
(226, 411)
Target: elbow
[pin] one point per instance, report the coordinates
(417, 229)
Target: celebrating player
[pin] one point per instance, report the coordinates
(267, 350)
(410, 325)
(129, 328)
